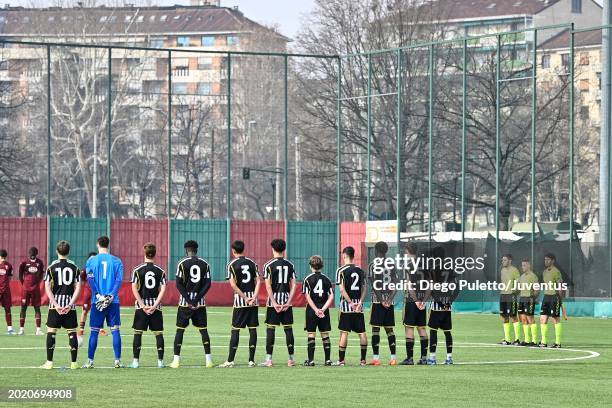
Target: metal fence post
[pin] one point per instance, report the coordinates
(169, 182)
(229, 152)
(534, 102)
(109, 141)
(497, 147)
(463, 140)
(398, 171)
(571, 153)
(338, 158)
(286, 145)
(369, 130)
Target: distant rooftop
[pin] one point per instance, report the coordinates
(478, 9)
(20, 21)
(581, 39)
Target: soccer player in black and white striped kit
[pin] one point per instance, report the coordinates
(243, 276)
(279, 276)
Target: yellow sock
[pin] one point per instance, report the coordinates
(534, 332)
(507, 332)
(517, 330)
(544, 329)
(526, 333)
(558, 332)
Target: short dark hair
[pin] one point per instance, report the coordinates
(89, 255)
(238, 246)
(349, 251)
(526, 260)
(63, 248)
(33, 251)
(381, 248)
(550, 255)
(150, 250)
(509, 256)
(3, 253)
(411, 248)
(316, 262)
(104, 241)
(191, 246)
(279, 245)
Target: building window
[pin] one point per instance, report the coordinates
(208, 41)
(545, 61)
(584, 112)
(156, 42)
(598, 80)
(577, 6)
(179, 88)
(181, 66)
(232, 40)
(565, 61)
(205, 63)
(3, 65)
(182, 41)
(584, 58)
(163, 18)
(204, 88)
(584, 85)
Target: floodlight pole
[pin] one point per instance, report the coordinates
(534, 101)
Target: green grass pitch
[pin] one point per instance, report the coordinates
(484, 374)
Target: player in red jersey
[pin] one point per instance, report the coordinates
(6, 271)
(31, 272)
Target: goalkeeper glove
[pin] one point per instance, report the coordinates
(100, 300)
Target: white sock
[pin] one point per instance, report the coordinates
(449, 355)
(208, 358)
(136, 360)
(393, 357)
(376, 357)
(432, 356)
(160, 361)
(9, 328)
(268, 357)
(291, 357)
(176, 358)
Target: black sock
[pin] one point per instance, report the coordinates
(410, 347)
(270, 333)
(341, 353)
(137, 344)
(159, 342)
(449, 342)
(234, 340)
(375, 341)
(364, 351)
(252, 343)
(391, 339)
(433, 340)
(424, 345)
(205, 340)
(290, 340)
(50, 346)
(178, 341)
(74, 346)
(311, 348)
(327, 348)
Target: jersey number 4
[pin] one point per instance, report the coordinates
(318, 289)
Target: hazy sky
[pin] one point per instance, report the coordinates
(284, 13)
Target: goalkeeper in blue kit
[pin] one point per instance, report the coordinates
(104, 274)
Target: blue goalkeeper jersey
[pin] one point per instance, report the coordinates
(105, 274)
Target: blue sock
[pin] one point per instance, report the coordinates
(93, 344)
(117, 344)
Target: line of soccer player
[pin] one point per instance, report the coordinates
(517, 303)
(104, 274)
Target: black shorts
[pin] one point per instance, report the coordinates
(526, 306)
(381, 316)
(440, 320)
(508, 306)
(351, 321)
(197, 317)
(58, 321)
(245, 317)
(144, 322)
(284, 318)
(551, 306)
(413, 316)
(314, 322)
